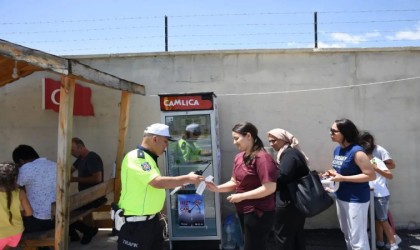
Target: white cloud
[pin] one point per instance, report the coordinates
(406, 34)
(291, 44)
(331, 45)
(354, 39)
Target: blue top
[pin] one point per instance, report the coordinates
(345, 165)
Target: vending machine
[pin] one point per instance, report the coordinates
(193, 213)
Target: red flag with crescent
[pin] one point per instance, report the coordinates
(82, 98)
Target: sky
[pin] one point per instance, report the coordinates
(87, 27)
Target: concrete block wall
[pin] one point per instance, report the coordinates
(302, 91)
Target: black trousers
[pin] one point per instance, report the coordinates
(256, 227)
(33, 224)
(288, 232)
(144, 235)
(80, 225)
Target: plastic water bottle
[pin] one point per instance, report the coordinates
(229, 240)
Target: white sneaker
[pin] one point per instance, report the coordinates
(394, 247)
(397, 239)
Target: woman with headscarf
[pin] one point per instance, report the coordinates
(293, 164)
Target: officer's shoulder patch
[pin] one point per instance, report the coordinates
(140, 153)
(146, 166)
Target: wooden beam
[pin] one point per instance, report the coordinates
(35, 57)
(65, 131)
(86, 196)
(64, 66)
(122, 134)
(91, 75)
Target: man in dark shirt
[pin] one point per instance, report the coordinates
(90, 173)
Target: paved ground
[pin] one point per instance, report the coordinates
(322, 239)
(319, 239)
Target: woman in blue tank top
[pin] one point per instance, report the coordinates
(351, 167)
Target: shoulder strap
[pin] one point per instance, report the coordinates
(140, 153)
(301, 158)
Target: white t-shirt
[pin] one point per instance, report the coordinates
(379, 184)
(39, 179)
(381, 153)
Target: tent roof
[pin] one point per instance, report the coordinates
(28, 61)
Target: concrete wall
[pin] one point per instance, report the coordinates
(302, 91)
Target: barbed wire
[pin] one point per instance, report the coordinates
(207, 15)
(198, 35)
(224, 25)
(293, 34)
(106, 48)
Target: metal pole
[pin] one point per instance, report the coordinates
(166, 33)
(372, 220)
(316, 29)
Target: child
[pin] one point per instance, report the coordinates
(381, 200)
(11, 201)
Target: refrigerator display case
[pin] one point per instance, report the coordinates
(192, 120)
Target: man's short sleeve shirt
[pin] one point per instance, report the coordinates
(87, 166)
(39, 179)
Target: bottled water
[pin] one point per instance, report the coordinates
(229, 239)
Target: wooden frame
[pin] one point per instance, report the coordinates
(77, 201)
(29, 61)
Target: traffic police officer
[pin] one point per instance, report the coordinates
(189, 151)
(143, 191)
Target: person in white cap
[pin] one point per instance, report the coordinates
(143, 191)
(188, 150)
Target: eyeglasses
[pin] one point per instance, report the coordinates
(333, 131)
(272, 141)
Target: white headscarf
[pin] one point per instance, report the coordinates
(289, 139)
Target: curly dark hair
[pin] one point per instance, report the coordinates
(8, 176)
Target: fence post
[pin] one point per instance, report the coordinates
(166, 33)
(316, 29)
(372, 220)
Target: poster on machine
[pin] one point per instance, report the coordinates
(191, 210)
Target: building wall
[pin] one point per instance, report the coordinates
(302, 91)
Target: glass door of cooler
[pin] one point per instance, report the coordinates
(191, 215)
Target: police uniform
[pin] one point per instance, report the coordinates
(189, 151)
(140, 202)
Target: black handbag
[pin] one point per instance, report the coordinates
(309, 196)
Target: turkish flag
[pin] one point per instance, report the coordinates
(51, 98)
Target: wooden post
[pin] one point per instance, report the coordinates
(124, 115)
(65, 130)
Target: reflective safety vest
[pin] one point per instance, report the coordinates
(137, 196)
(188, 150)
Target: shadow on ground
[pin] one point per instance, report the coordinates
(332, 239)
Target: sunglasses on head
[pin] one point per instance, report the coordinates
(333, 131)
